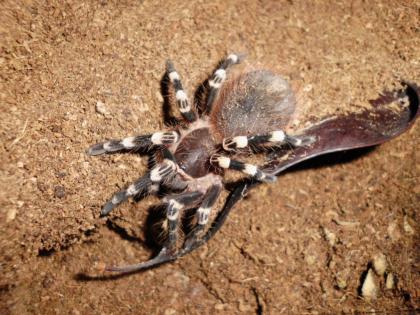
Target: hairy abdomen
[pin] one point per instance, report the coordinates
(256, 102)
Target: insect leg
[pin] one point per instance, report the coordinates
(147, 184)
(191, 243)
(210, 198)
(275, 137)
(143, 142)
(249, 169)
(177, 203)
(168, 253)
(180, 95)
(218, 78)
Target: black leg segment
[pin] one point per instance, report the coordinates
(135, 143)
(180, 95)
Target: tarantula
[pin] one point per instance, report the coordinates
(248, 113)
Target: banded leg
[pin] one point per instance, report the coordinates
(203, 213)
(147, 184)
(273, 138)
(180, 95)
(249, 169)
(218, 78)
(175, 205)
(144, 142)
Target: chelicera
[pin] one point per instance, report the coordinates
(245, 114)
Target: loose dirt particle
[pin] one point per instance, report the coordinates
(407, 226)
(59, 191)
(11, 214)
(341, 283)
(219, 307)
(99, 266)
(101, 109)
(393, 231)
(329, 236)
(347, 224)
(170, 311)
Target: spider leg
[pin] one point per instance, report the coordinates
(249, 169)
(191, 242)
(163, 257)
(143, 142)
(180, 95)
(210, 198)
(218, 78)
(176, 203)
(147, 184)
(275, 137)
(168, 253)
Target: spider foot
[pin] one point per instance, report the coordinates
(167, 254)
(164, 256)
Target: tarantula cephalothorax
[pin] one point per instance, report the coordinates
(247, 113)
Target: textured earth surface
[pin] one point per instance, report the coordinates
(299, 246)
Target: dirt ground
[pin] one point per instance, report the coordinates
(301, 245)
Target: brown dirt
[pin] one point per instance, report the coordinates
(58, 60)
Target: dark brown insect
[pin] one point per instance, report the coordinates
(246, 114)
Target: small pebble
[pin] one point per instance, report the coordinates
(99, 266)
(101, 109)
(393, 231)
(407, 227)
(308, 88)
(329, 236)
(219, 307)
(369, 289)
(47, 282)
(59, 191)
(45, 298)
(170, 311)
(310, 259)
(61, 174)
(11, 214)
(341, 282)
